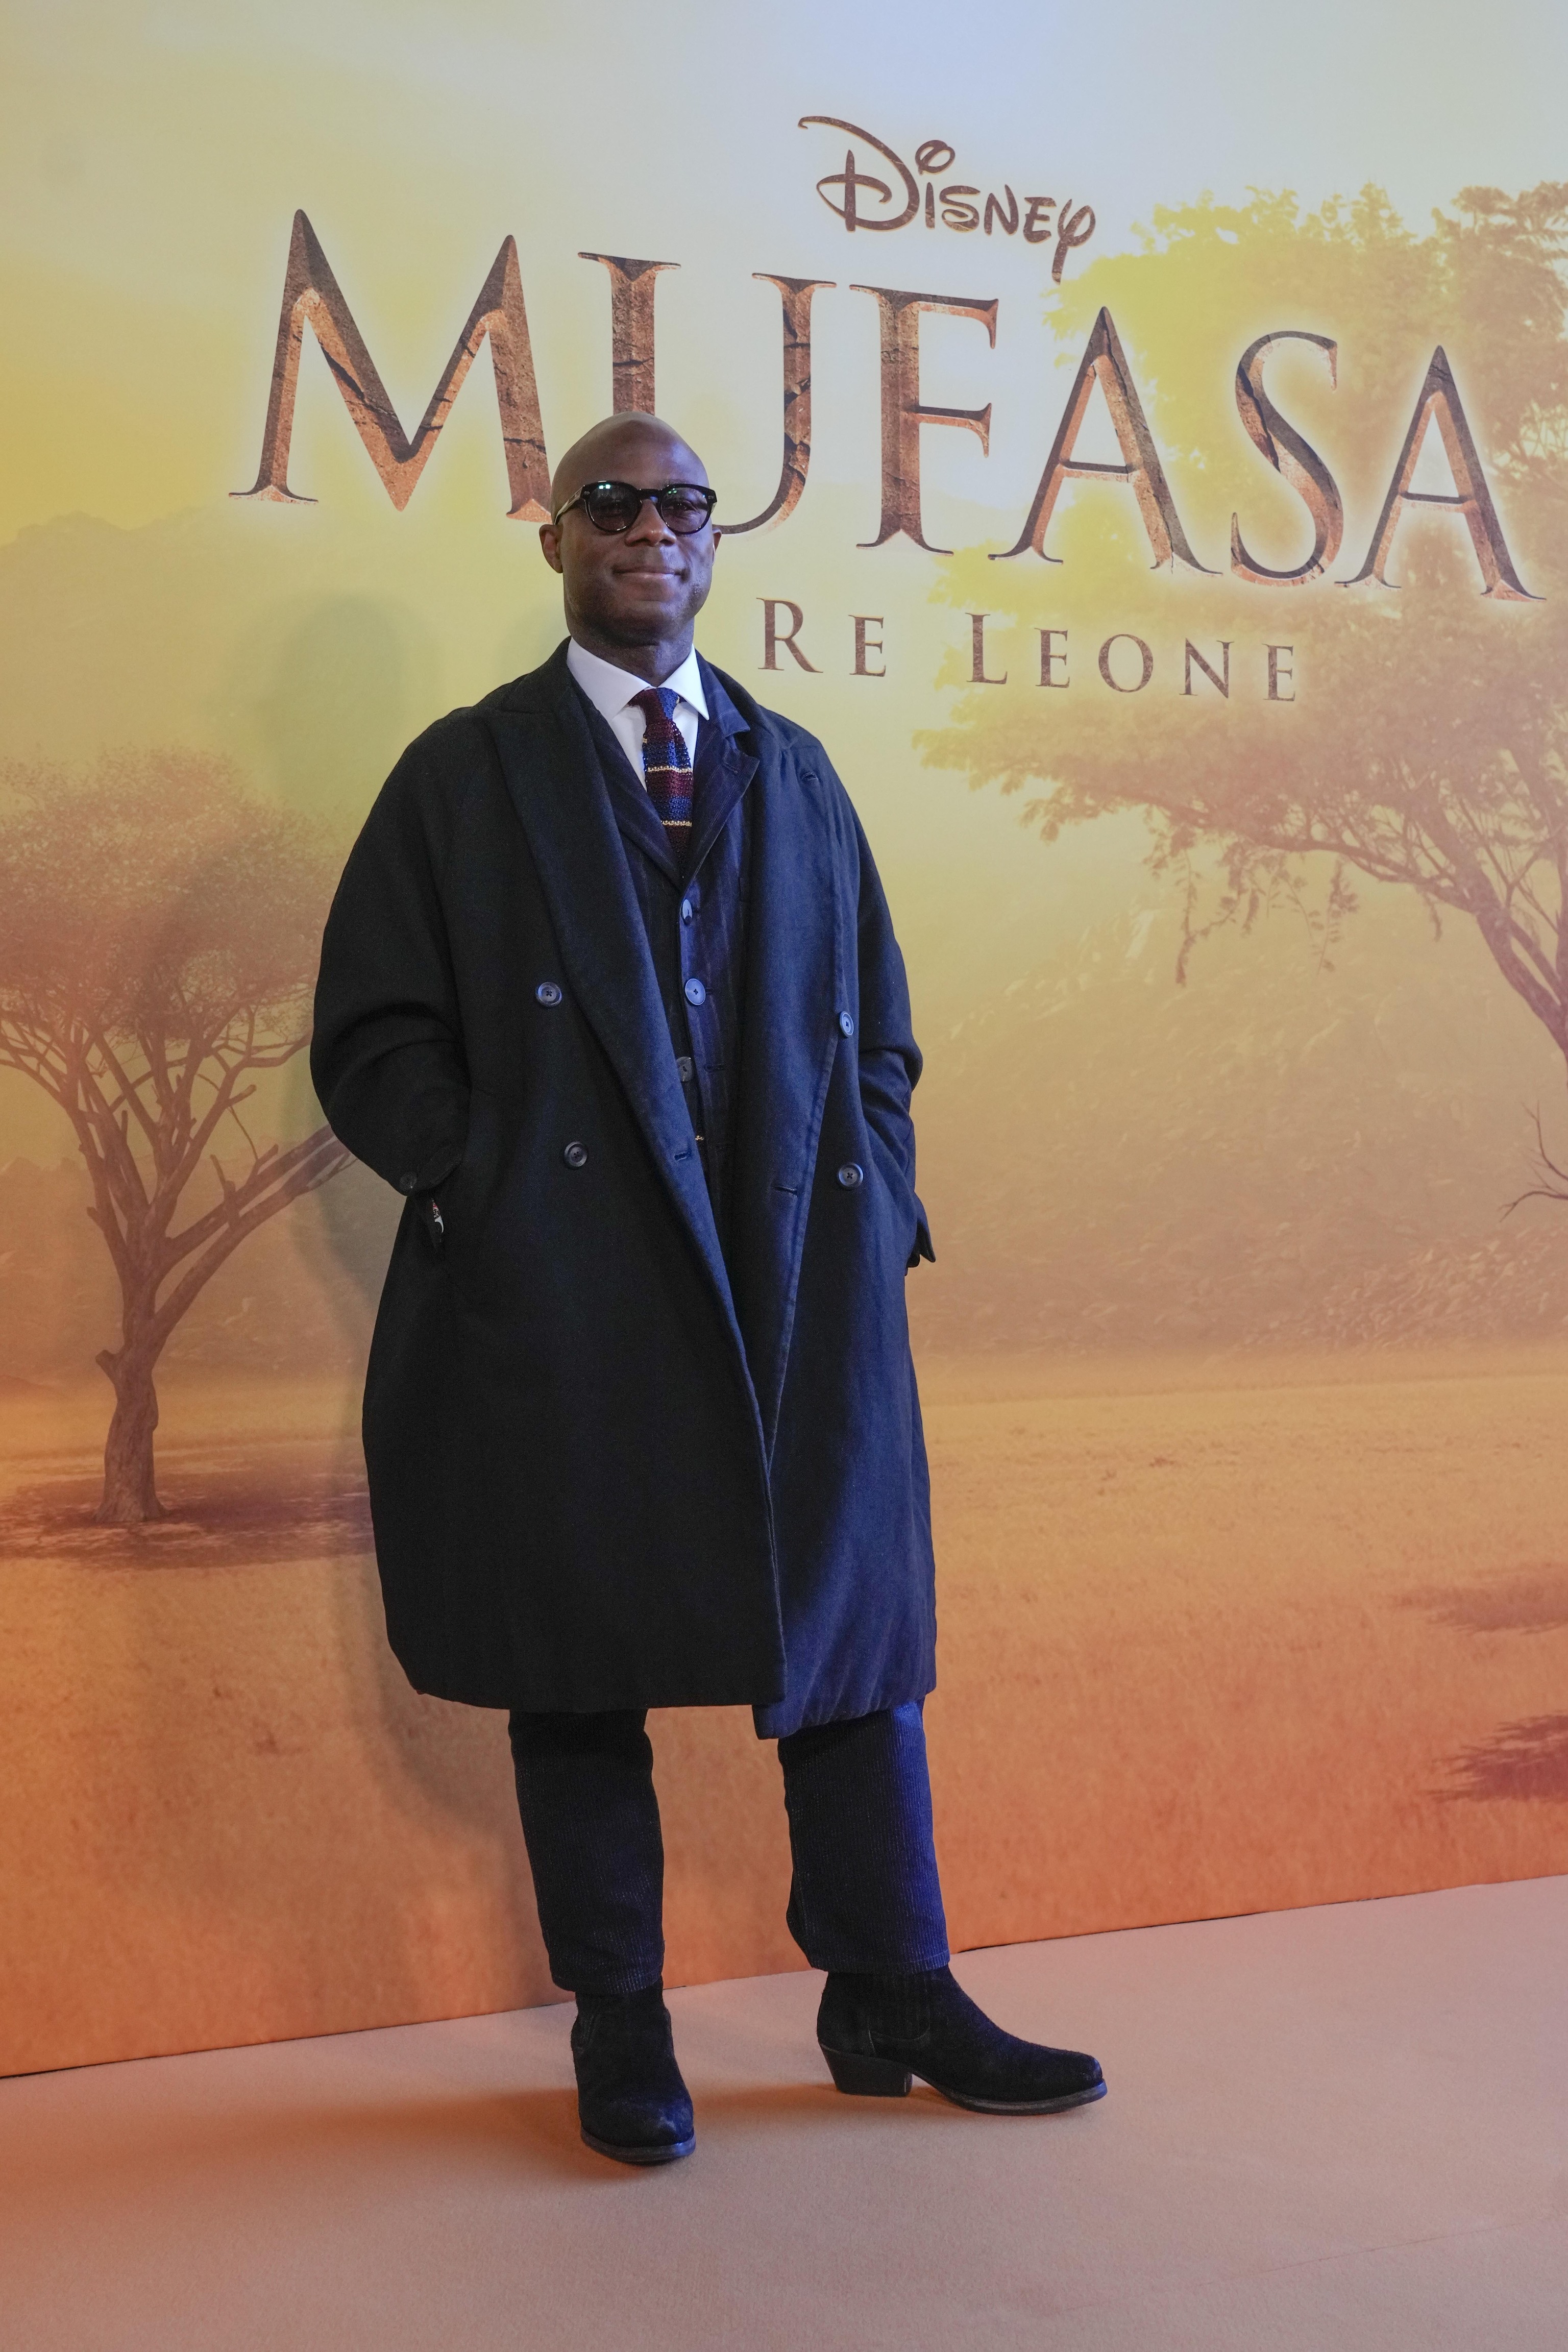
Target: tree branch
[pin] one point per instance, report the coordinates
(328, 1155)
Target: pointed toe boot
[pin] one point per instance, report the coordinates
(878, 2031)
(631, 2102)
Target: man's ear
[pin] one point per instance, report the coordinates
(550, 541)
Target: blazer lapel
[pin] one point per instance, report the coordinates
(796, 988)
(634, 812)
(553, 774)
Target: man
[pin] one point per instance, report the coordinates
(609, 991)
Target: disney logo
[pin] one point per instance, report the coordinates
(898, 200)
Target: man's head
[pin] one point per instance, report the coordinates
(631, 595)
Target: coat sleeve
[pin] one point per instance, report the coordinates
(386, 1056)
(889, 1059)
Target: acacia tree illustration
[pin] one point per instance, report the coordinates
(1429, 745)
(159, 929)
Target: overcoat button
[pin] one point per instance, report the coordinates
(576, 1155)
(695, 992)
(847, 1023)
(548, 992)
(683, 1068)
(850, 1174)
(409, 1184)
(685, 910)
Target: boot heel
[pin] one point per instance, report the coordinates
(866, 2078)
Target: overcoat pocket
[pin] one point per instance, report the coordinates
(899, 1190)
(462, 1202)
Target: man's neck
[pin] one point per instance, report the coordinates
(654, 662)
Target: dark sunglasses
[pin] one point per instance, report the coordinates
(614, 506)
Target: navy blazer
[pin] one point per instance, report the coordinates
(693, 897)
(611, 1463)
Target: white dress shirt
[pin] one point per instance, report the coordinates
(610, 690)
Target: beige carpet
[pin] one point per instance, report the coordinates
(1339, 2129)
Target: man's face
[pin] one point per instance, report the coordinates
(646, 585)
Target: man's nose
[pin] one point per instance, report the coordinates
(650, 524)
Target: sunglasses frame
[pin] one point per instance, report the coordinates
(697, 489)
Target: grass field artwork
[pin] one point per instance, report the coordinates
(1271, 1634)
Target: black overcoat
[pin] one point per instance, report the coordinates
(612, 1465)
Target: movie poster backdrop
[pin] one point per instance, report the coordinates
(1179, 580)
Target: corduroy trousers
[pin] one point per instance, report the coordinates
(865, 1895)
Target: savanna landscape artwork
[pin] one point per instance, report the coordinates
(1212, 746)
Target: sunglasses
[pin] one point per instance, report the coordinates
(614, 506)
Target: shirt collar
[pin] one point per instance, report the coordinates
(610, 689)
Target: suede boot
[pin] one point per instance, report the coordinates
(876, 2032)
(631, 2102)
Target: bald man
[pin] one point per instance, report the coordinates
(610, 992)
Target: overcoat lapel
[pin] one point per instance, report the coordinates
(798, 932)
(557, 786)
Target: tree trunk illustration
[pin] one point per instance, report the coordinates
(130, 1493)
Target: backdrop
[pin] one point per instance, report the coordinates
(1144, 439)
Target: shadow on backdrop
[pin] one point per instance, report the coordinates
(1531, 1600)
(1526, 1759)
(327, 694)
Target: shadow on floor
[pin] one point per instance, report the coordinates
(527, 2133)
(535, 2129)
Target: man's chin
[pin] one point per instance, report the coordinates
(653, 616)
(656, 593)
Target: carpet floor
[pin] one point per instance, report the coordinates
(1342, 2130)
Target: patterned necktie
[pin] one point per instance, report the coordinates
(666, 762)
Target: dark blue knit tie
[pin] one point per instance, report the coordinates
(666, 761)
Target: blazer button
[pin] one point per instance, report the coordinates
(548, 992)
(575, 1155)
(695, 992)
(847, 1023)
(851, 1174)
(683, 1068)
